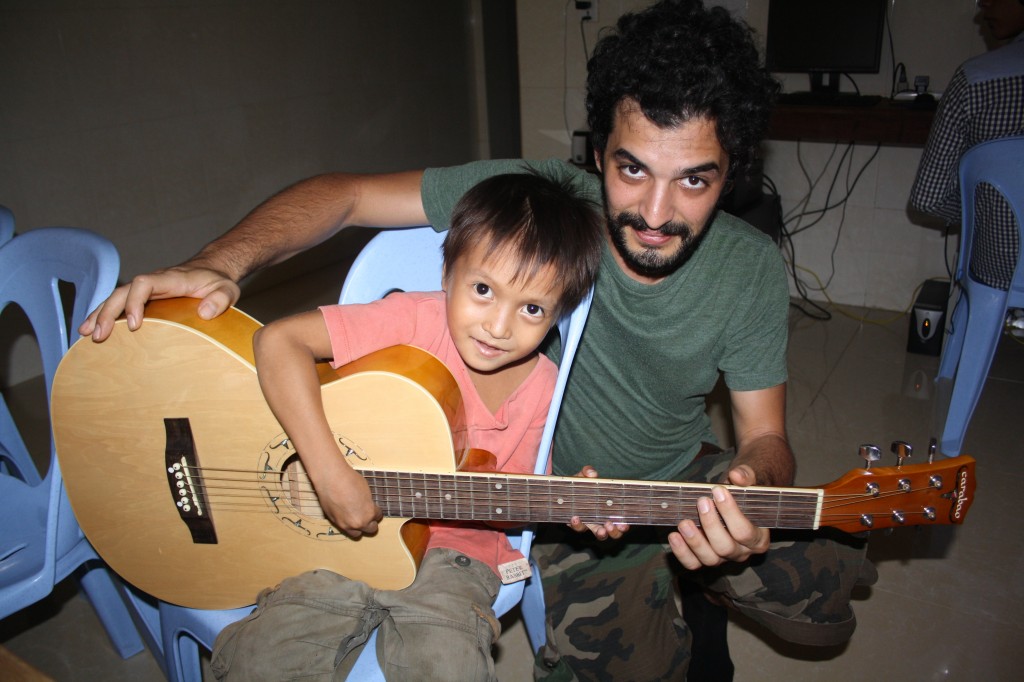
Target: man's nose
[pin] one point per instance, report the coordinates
(656, 206)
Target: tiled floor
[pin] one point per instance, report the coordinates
(948, 600)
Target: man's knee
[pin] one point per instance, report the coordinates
(801, 588)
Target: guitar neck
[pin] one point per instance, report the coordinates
(553, 499)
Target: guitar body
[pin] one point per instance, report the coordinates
(398, 409)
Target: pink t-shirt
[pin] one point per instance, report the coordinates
(512, 435)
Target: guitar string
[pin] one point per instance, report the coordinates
(635, 509)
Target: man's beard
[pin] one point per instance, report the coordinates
(651, 262)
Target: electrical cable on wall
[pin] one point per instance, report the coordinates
(565, 63)
(801, 211)
(565, 70)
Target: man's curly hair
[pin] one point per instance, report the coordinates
(679, 60)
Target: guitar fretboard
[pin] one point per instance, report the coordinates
(552, 499)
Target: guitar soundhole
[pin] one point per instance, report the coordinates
(298, 489)
(290, 494)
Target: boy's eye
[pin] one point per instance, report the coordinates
(534, 310)
(481, 289)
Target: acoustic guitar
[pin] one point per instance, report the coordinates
(185, 484)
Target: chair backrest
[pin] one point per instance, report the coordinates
(401, 259)
(32, 267)
(1000, 164)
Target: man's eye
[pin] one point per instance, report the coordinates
(633, 171)
(694, 181)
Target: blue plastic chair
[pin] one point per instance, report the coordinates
(977, 321)
(407, 259)
(40, 541)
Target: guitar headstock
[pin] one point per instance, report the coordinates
(940, 492)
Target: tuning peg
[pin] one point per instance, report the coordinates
(903, 450)
(933, 446)
(870, 453)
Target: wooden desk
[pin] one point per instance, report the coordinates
(884, 123)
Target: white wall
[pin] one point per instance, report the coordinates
(882, 253)
(161, 123)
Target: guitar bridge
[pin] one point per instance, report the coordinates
(185, 481)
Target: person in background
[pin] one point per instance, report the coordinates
(983, 101)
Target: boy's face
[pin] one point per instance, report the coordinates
(494, 321)
(661, 186)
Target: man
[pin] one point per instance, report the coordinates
(984, 101)
(677, 103)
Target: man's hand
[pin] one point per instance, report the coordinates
(609, 530)
(217, 291)
(724, 534)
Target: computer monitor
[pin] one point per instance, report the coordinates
(825, 38)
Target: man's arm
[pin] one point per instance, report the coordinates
(291, 221)
(763, 457)
(936, 188)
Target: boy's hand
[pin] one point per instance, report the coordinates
(345, 498)
(608, 530)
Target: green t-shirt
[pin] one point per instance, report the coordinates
(634, 406)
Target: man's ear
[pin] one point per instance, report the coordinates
(444, 277)
(597, 158)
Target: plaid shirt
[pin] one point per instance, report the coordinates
(984, 101)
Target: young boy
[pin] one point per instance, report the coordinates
(521, 251)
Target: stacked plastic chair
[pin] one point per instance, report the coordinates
(41, 543)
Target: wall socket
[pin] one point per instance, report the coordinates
(587, 9)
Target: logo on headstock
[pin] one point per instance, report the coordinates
(962, 479)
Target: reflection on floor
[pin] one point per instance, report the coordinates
(947, 602)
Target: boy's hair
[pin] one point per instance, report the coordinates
(679, 60)
(536, 221)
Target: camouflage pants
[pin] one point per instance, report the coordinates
(612, 612)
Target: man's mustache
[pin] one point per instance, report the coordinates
(637, 222)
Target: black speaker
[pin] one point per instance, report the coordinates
(928, 318)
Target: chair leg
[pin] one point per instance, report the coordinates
(955, 341)
(184, 631)
(181, 657)
(981, 333)
(146, 613)
(532, 607)
(105, 597)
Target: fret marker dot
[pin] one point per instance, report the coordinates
(497, 486)
(419, 494)
(664, 505)
(498, 510)
(560, 501)
(448, 496)
(610, 502)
